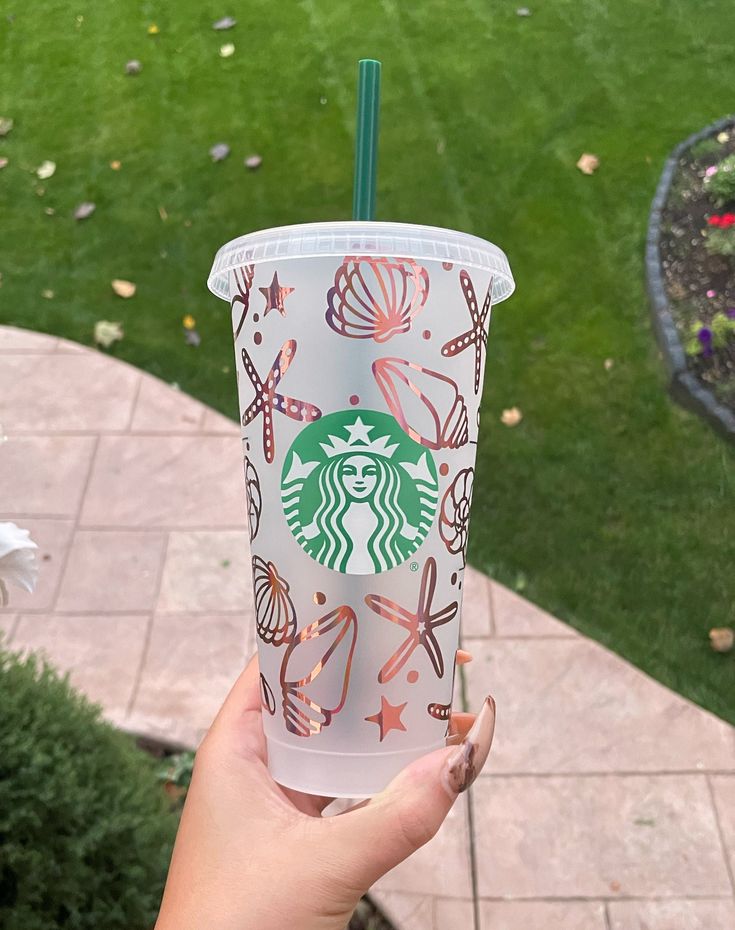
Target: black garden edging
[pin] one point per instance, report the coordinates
(683, 385)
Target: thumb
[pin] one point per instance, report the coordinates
(409, 812)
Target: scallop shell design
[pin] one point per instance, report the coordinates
(275, 615)
(375, 297)
(427, 405)
(267, 698)
(315, 673)
(254, 497)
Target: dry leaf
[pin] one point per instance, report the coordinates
(48, 294)
(219, 152)
(3, 163)
(49, 211)
(84, 210)
(588, 164)
(105, 333)
(523, 11)
(6, 124)
(123, 288)
(511, 417)
(722, 638)
(163, 213)
(116, 165)
(253, 162)
(153, 30)
(40, 191)
(608, 363)
(133, 66)
(227, 22)
(227, 50)
(192, 338)
(189, 321)
(46, 170)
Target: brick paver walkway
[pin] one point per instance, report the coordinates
(608, 802)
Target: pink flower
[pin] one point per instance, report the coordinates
(712, 293)
(710, 171)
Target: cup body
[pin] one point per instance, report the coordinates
(360, 354)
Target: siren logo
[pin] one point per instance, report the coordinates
(359, 495)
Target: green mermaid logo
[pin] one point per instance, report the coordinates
(359, 495)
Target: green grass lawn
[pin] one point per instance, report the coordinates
(607, 505)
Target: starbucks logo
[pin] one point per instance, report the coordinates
(359, 495)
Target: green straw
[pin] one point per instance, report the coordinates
(366, 142)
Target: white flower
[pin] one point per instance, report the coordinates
(17, 560)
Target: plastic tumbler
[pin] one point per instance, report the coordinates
(360, 354)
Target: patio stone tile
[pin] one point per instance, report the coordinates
(115, 570)
(542, 915)
(13, 339)
(515, 616)
(161, 409)
(454, 914)
(66, 393)
(723, 789)
(406, 911)
(191, 664)
(215, 422)
(53, 538)
(596, 836)
(476, 618)
(102, 653)
(44, 474)
(672, 915)
(7, 627)
(569, 705)
(207, 570)
(442, 867)
(184, 481)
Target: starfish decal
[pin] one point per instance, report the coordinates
(267, 399)
(388, 717)
(420, 625)
(477, 335)
(275, 295)
(243, 285)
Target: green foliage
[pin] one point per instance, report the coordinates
(705, 148)
(85, 835)
(179, 769)
(721, 330)
(722, 184)
(721, 241)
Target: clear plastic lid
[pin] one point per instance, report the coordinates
(353, 237)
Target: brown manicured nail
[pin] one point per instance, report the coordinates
(466, 762)
(463, 657)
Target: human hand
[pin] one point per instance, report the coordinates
(251, 855)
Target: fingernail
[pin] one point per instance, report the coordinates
(466, 762)
(463, 657)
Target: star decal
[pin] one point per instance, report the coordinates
(477, 335)
(267, 399)
(388, 717)
(420, 625)
(275, 295)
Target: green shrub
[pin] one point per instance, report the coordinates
(721, 185)
(721, 241)
(85, 832)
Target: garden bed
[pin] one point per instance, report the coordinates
(691, 272)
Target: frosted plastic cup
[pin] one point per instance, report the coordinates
(360, 353)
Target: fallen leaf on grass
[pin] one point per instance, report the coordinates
(253, 161)
(133, 66)
(523, 11)
(48, 294)
(49, 211)
(123, 288)
(46, 170)
(3, 163)
(511, 417)
(106, 332)
(189, 321)
(6, 124)
(192, 338)
(219, 152)
(116, 165)
(608, 363)
(84, 210)
(163, 213)
(722, 639)
(153, 30)
(227, 22)
(588, 163)
(227, 50)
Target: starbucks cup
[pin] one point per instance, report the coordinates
(360, 353)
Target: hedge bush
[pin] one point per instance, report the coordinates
(85, 832)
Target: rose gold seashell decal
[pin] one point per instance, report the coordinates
(454, 518)
(275, 615)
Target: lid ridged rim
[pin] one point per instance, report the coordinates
(355, 237)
